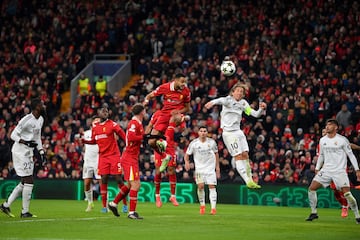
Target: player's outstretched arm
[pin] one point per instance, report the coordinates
(209, 105)
(148, 98)
(354, 146)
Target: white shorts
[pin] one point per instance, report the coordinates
(206, 178)
(235, 142)
(90, 172)
(340, 179)
(24, 166)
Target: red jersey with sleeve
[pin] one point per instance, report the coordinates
(172, 99)
(104, 135)
(134, 138)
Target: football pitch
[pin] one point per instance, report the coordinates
(66, 219)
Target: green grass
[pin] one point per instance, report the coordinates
(66, 219)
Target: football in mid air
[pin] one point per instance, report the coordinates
(228, 68)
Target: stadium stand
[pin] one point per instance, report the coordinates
(300, 57)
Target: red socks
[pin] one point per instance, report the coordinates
(172, 181)
(122, 194)
(103, 192)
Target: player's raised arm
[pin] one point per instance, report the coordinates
(148, 98)
(217, 101)
(354, 146)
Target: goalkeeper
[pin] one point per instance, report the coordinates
(26, 137)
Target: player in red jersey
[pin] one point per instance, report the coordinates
(176, 102)
(103, 134)
(130, 162)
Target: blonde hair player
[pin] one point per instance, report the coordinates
(233, 106)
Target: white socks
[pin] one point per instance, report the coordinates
(26, 196)
(14, 195)
(212, 197)
(241, 167)
(89, 196)
(352, 203)
(312, 201)
(201, 196)
(26, 191)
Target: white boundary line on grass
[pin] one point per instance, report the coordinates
(42, 238)
(53, 219)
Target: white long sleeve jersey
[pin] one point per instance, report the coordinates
(91, 154)
(231, 113)
(333, 154)
(204, 155)
(28, 129)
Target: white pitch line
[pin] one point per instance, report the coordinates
(53, 219)
(14, 238)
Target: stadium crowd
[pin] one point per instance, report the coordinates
(300, 57)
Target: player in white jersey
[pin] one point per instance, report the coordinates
(233, 106)
(26, 136)
(331, 166)
(207, 169)
(90, 167)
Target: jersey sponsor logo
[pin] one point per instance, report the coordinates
(173, 101)
(100, 136)
(132, 128)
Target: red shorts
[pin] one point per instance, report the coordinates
(154, 117)
(161, 121)
(158, 160)
(131, 170)
(109, 165)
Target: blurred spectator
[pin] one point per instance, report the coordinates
(344, 116)
(147, 173)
